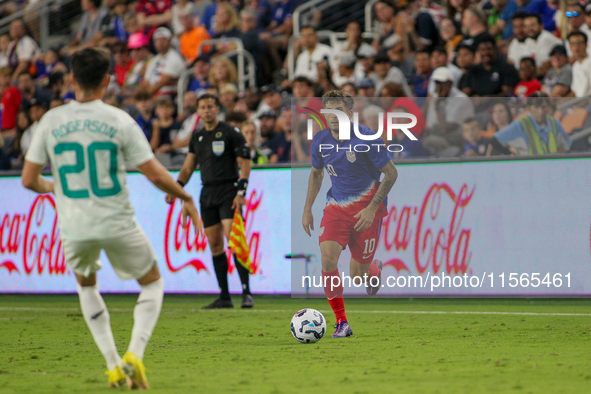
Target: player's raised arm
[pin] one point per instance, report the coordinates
(159, 176)
(314, 185)
(366, 216)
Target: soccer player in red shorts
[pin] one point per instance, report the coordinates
(355, 204)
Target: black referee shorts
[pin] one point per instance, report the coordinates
(216, 203)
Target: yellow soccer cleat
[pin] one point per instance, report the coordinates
(116, 377)
(134, 370)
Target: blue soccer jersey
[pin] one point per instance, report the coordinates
(353, 165)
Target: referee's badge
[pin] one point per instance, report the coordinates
(218, 147)
(218, 134)
(351, 156)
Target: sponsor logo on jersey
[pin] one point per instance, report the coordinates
(218, 147)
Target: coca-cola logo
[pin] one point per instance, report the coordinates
(34, 237)
(180, 241)
(435, 234)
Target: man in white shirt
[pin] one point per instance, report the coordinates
(21, 49)
(313, 53)
(581, 84)
(521, 45)
(543, 42)
(87, 143)
(164, 69)
(576, 22)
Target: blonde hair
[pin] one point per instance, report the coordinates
(234, 22)
(230, 69)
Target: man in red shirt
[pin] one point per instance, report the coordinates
(123, 62)
(11, 100)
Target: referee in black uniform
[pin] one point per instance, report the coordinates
(219, 149)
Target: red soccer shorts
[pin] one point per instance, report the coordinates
(338, 227)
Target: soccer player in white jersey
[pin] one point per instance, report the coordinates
(87, 143)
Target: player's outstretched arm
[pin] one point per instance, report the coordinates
(314, 184)
(366, 216)
(189, 167)
(32, 179)
(159, 176)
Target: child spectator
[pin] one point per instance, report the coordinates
(423, 73)
(249, 130)
(11, 100)
(164, 127)
(123, 63)
(145, 106)
(475, 144)
(36, 112)
(528, 84)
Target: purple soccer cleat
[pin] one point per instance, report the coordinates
(343, 330)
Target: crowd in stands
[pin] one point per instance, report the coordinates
(472, 72)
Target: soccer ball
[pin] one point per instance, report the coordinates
(308, 326)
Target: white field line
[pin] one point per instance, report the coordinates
(290, 311)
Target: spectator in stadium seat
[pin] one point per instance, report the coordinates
(269, 136)
(475, 144)
(56, 102)
(439, 59)
(192, 121)
(559, 78)
(464, 59)
(575, 13)
(410, 148)
(496, 25)
(492, 77)
(180, 8)
(302, 91)
(23, 122)
(476, 27)
(222, 71)
(226, 23)
(164, 69)
(345, 73)
(138, 47)
(250, 132)
(228, 97)
(535, 134)
(349, 88)
(164, 126)
(392, 95)
(354, 42)
(425, 34)
(123, 63)
(272, 100)
(191, 38)
(145, 106)
(153, 13)
(11, 101)
(21, 50)
(520, 46)
(277, 33)
(389, 29)
(4, 44)
(90, 25)
(513, 7)
(547, 11)
(112, 28)
(450, 34)
(384, 73)
(581, 68)
(31, 93)
(235, 118)
(528, 83)
(420, 81)
(312, 54)
(365, 57)
(201, 70)
(588, 15)
(500, 117)
(446, 111)
(49, 62)
(542, 42)
(208, 18)
(36, 112)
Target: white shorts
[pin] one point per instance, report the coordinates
(131, 254)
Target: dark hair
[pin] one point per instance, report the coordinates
(577, 34)
(488, 38)
(349, 84)
(394, 90)
(206, 96)
(338, 96)
(439, 49)
(528, 59)
(465, 46)
(388, 3)
(119, 46)
(25, 73)
(576, 5)
(236, 116)
(89, 67)
(519, 15)
(507, 108)
(142, 95)
(539, 97)
(164, 102)
(97, 3)
(533, 15)
(424, 51)
(303, 79)
(470, 120)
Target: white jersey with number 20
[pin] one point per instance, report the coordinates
(87, 145)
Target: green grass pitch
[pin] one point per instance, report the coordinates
(399, 346)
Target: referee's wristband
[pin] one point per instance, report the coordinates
(241, 184)
(180, 183)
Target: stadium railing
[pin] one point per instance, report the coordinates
(246, 71)
(369, 16)
(47, 19)
(334, 20)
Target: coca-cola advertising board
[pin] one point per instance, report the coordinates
(32, 258)
(480, 228)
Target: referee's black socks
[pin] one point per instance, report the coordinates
(220, 264)
(244, 276)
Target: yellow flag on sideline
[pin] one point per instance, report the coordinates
(238, 242)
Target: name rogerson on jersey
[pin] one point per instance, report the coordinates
(93, 126)
(361, 147)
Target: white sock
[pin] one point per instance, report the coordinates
(97, 318)
(145, 316)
